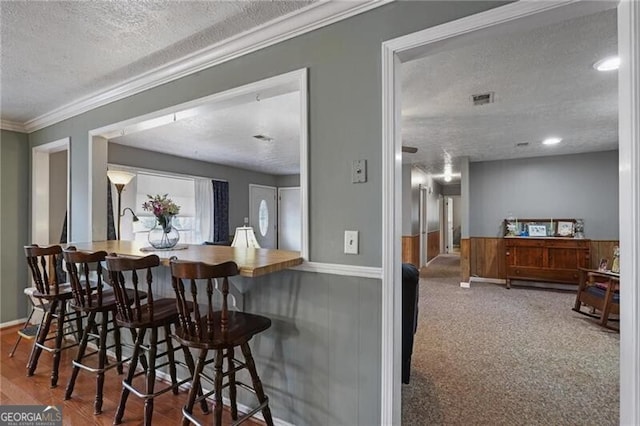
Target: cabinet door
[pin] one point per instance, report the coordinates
(528, 256)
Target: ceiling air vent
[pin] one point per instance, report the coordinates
(522, 144)
(263, 138)
(482, 98)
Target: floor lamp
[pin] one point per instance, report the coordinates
(120, 179)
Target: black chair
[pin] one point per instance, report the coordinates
(410, 287)
(208, 326)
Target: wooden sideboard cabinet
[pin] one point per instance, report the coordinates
(545, 259)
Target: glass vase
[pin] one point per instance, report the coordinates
(164, 235)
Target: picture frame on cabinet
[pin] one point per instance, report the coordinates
(565, 229)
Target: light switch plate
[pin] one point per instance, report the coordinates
(351, 242)
(358, 171)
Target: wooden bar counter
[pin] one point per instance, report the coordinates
(251, 262)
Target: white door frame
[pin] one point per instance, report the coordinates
(629, 178)
(40, 189)
(423, 219)
(284, 190)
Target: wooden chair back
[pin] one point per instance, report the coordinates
(198, 324)
(85, 276)
(119, 267)
(42, 262)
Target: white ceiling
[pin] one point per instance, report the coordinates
(55, 52)
(224, 135)
(544, 85)
(543, 81)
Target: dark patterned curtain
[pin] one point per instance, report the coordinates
(111, 227)
(220, 211)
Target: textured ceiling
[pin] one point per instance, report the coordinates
(544, 85)
(53, 52)
(224, 135)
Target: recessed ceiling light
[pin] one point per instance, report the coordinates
(551, 141)
(608, 64)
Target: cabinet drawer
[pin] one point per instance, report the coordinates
(568, 276)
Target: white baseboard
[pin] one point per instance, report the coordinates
(12, 323)
(488, 280)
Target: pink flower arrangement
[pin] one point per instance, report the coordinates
(163, 208)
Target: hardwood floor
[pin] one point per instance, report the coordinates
(18, 389)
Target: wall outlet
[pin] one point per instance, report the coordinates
(351, 242)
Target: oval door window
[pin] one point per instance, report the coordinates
(263, 217)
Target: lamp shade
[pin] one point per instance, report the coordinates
(118, 177)
(245, 237)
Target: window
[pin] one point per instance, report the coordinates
(181, 190)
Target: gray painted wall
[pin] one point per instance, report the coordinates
(14, 223)
(287, 180)
(57, 194)
(344, 62)
(567, 186)
(239, 179)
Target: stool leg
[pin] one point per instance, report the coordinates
(137, 348)
(151, 376)
(257, 384)
(117, 341)
(102, 360)
(188, 359)
(196, 389)
(56, 353)
(171, 358)
(81, 350)
(217, 411)
(232, 384)
(43, 331)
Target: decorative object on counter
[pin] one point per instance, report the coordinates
(176, 247)
(604, 262)
(120, 179)
(163, 235)
(565, 229)
(244, 237)
(579, 228)
(537, 230)
(615, 265)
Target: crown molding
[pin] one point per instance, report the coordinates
(300, 22)
(14, 126)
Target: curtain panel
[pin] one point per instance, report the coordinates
(220, 211)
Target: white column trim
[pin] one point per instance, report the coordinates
(340, 269)
(629, 178)
(629, 34)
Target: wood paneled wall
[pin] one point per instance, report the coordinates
(465, 264)
(602, 249)
(486, 256)
(411, 249)
(433, 244)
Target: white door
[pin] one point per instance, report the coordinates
(263, 216)
(289, 219)
(449, 225)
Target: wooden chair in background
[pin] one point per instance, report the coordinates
(599, 290)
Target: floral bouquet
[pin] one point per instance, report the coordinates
(163, 208)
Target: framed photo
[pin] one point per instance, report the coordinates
(604, 263)
(565, 229)
(537, 230)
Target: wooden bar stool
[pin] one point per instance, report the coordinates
(155, 314)
(53, 295)
(89, 298)
(216, 329)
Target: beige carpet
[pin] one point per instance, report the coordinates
(491, 356)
